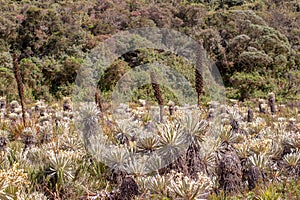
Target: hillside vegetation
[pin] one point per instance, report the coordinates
(255, 44)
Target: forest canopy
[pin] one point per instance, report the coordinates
(255, 44)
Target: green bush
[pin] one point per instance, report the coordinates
(250, 83)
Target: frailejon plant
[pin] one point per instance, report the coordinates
(12, 181)
(60, 170)
(292, 162)
(156, 185)
(157, 94)
(29, 137)
(172, 141)
(183, 187)
(194, 130)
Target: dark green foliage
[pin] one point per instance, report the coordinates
(112, 75)
(240, 36)
(250, 83)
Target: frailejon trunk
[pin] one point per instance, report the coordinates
(271, 100)
(250, 115)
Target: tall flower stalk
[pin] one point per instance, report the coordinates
(199, 78)
(98, 99)
(157, 94)
(20, 86)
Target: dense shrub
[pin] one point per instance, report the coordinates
(240, 36)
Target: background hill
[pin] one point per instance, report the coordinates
(255, 44)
